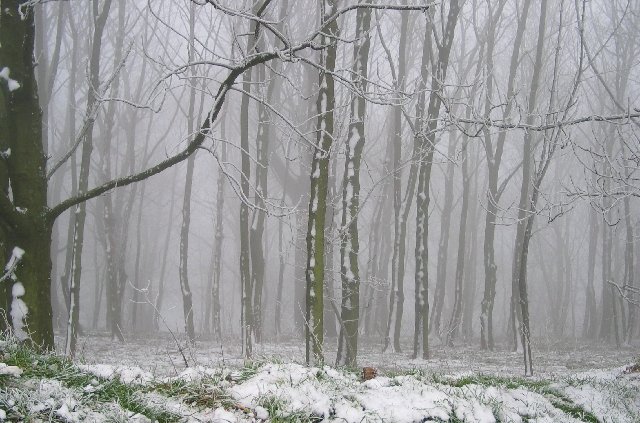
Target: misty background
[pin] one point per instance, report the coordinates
(553, 84)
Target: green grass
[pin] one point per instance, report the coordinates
(203, 394)
(542, 387)
(278, 413)
(50, 366)
(488, 380)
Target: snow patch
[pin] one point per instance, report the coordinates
(19, 311)
(10, 370)
(11, 83)
(128, 375)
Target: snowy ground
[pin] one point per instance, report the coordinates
(147, 380)
(161, 356)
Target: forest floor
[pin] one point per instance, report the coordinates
(159, 379)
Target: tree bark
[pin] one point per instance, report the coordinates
(426, 151)
(396, 292)
(349, 236)
(494, 159)
(99, 19)
(22, 218)
(314, 331)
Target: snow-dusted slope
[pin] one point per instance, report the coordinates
(49, 388)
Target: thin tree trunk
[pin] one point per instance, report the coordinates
(396, 292)
(456, 315)
(526, 208)
(245, 248)
(157, 306)
(99, 18)
(443, 244)
(314, 331)
(218, 241)
(187, 300)
(590, 324)
(426, 151)
(629, 276)
(349, 240)
(494, 159)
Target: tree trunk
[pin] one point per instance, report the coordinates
(157, 306)
(24, 219)
(218, 242)
(456, 315)
(443, 244)
(590, 323)
(426, 151)
(494, 159)
(396, 292)
(629, 276)
(185, 289)
(99, 18)
(314, 331)
(526, 208)
(349, 236)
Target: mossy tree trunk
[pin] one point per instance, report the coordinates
(23, 218)
(314, 330)
(349, 236)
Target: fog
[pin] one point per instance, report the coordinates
(395, 176)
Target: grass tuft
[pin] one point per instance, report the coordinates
(50, 366)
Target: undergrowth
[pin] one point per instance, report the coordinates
(104, 391)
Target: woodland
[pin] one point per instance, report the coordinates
(395, 175)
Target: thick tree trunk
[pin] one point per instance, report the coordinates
(23, 218)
